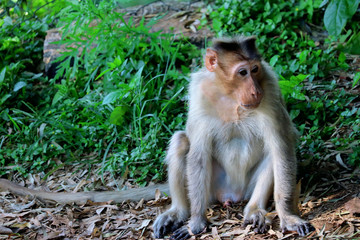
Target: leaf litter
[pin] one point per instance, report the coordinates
(332, 206)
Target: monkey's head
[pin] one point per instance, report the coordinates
(238, 70)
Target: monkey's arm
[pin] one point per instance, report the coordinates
(135, 194)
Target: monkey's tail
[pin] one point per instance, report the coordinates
(134, 194)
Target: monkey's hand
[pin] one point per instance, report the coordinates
(257, 217)
(295, 223)
(168, 222)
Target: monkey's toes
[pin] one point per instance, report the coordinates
(181, 234)
(260, 223)
(295, 223)
(258, 226)
(165, 224)
(168, 227)
(304, 229)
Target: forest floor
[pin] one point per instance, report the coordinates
(332, 205)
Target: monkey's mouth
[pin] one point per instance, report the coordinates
(250, 106)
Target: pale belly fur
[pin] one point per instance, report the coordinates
(241, 159)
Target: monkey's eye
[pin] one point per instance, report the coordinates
(255, 69)
(242, 72)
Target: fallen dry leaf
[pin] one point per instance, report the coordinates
(214, 233)
(5, 230)
(353, 206)
(157, 195)
(144, 224)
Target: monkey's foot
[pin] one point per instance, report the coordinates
(167, 223)
(257, 217)
(295, 223)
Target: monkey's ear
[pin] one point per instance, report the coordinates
(211, 60)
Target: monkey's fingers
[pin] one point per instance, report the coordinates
(171, 227)
(245, 223)
(260, 223)
(262, 228)
(165, 224)
(304, 229)
(181, 234)
(163, 231)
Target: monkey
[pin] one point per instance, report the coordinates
(238, 144)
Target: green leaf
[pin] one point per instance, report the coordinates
(342, 57)
(61, 93)
(298, 78)
(353, 45)
(19, 85)
(217, 24)
(308, 6)
(294, 113)
(4, 98)
(290, 87)
(267, 7)
(286, 87)
(117, 115)
(7, 22)
(103, 72)
(356, 78)
(273, 60)
(298, 95)
(135, 80)
(303, 56)
(315, 68)
(337, 13)
(2, 74)
(112, 97)
(118, 61)
(36, 76)
(323, 3)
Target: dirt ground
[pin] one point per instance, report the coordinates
(332, 205)
(330, 201)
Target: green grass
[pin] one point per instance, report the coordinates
(132, 3)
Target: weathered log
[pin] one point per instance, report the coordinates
(134, 194)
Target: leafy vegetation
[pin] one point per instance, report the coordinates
(120, 97)
(120, 89)
(325, 114)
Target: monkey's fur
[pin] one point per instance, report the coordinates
(239, 144)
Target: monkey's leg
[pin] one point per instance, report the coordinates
(174, 218)
(199, 169)
(281, 146)
(284, 193)
(254, 212)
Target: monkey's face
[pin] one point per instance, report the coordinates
(238, 79)
(245, 83)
